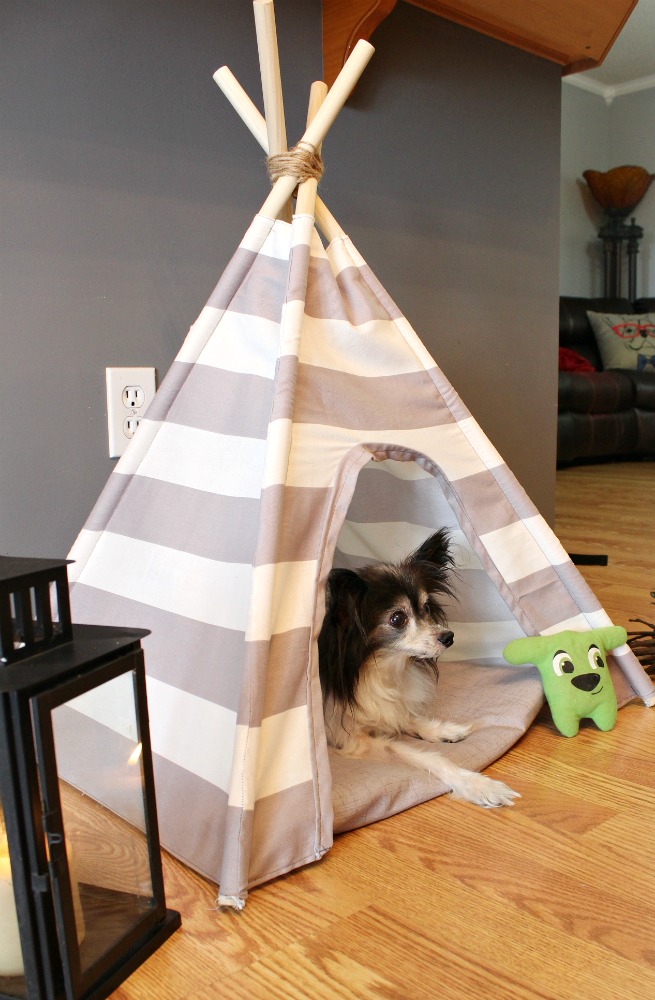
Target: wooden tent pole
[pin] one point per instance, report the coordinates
(319, 127)
(254, 120)
(306, 199)
(269, 68)
(326, 222)
(244, 107)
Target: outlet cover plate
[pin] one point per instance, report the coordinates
(129, 393)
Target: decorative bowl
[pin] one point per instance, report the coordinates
(618, 191)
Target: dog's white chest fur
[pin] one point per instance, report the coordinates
(391, 693)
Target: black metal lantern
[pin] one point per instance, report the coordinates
(81, 889)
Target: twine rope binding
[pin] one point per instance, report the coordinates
(302, 162)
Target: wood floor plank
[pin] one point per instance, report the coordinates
(318, 969)
(408, 954)
(521, 871)
(400, 960)
(553, 898)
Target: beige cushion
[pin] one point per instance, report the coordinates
(625, 341)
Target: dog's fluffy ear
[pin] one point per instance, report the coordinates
(342, 642)
(343, 598)
(434, 561)
(435, 549)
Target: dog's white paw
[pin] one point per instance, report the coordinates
(436, 731)
(484, 791)
(453, 732)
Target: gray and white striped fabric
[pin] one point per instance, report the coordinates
(303, 424)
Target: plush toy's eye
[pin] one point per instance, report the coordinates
(595, 658)
(562, 663)
(398, 619)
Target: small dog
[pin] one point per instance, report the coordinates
(383, 632)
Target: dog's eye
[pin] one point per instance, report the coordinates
(595, 658)
(426, 608)
(562, 663)
(398, 619)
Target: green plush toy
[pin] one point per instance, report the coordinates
(573, 669)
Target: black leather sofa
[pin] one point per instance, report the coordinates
(602, 414)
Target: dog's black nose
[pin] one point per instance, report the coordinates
(447, 638)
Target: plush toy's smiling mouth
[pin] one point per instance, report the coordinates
(594, 693)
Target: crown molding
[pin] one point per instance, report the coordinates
(610, 91)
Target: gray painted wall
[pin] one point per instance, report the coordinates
(632, 140)
(128, 182)
(585, 145)
(599, 136)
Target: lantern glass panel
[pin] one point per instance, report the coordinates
(77, 807)
(98, 752)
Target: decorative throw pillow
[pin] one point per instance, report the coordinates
(625, 341)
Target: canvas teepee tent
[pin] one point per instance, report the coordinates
(303, 425)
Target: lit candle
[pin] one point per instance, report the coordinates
(11, 953)
(77, 902)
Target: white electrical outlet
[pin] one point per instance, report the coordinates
(129, 393)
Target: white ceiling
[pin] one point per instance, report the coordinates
(630, 64)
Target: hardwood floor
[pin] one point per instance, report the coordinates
(554, 898)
